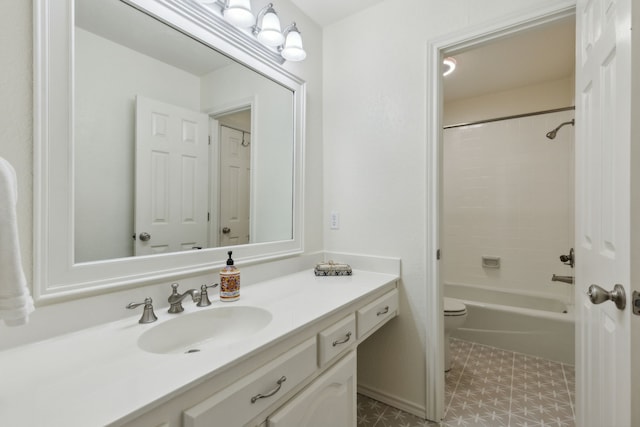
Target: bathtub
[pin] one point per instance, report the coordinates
(511, 320)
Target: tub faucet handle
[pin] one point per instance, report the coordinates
(568, 259)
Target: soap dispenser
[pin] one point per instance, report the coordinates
(229, 281)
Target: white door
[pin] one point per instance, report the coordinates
(171, 178)
(235, 173)
(603, 332)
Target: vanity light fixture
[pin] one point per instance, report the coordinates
(265, 27)
(449, 66)
(292, 49)
(238, 13)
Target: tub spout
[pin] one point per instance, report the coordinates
(565, 279)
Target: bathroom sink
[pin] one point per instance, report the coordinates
(197, 331)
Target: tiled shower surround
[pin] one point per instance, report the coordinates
(508, 193)
(490, 387)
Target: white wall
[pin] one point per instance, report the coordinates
(508, 192)
(375, 168)
(16, 145)
(108, 78)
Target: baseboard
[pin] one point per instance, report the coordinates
(396, 402)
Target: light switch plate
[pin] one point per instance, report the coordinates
(334, 220)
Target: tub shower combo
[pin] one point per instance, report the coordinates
(535, 319)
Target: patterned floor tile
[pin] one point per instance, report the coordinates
(490, 387)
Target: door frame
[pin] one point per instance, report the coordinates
(437, 49)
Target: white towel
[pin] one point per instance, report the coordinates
(15, 300)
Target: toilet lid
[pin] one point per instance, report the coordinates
(453, 305)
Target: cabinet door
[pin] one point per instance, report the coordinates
(257, 392)
(328, 401)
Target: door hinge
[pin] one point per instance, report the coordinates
(208, 216)
(438, 254)
(209, 139)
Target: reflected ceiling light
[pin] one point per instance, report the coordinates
(292, 49)
(449, 65)
(267, 28)
(238, 13)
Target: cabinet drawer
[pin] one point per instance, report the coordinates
(373, 315)
(336, 339)
(245, 399)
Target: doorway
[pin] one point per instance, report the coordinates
(233, 202)
(508, 191)
(438, 49)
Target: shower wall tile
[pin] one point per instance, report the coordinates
(508, 192)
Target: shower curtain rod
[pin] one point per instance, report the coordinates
(231, 127)
(517, 116)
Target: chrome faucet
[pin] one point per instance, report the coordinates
(565, 279)
(175, 299)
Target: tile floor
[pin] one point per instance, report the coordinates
(490, 387)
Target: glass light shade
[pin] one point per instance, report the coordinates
(270, 33)
(238, 13)
(292, 50)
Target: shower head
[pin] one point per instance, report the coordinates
(552, 134)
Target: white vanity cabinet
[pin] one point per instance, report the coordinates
(306, 379)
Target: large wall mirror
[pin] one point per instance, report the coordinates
(164, 137)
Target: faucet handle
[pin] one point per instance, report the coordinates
(148, 316)
(569, 260)
(204, 295)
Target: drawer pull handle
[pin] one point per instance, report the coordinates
(272, 392)
(384, 311)
(344, 340)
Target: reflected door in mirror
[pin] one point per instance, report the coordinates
(171, 177)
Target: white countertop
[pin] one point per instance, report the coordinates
(97, 376)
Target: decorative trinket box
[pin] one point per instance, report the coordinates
(331, 268)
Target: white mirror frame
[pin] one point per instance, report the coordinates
(56, 276)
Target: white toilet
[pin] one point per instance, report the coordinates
(455, 314)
